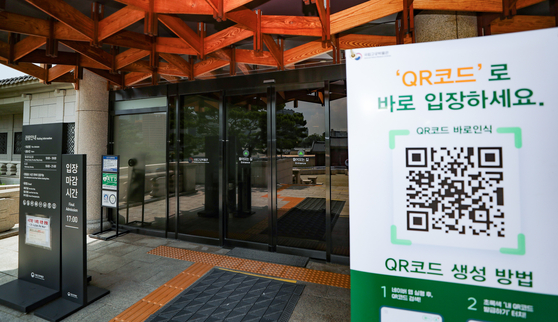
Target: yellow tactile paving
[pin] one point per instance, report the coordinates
(162, 295)
(257, 267)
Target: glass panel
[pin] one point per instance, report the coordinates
(143, 103)
(301, 195)
(339, 168)
(248, 168)
(199, 165)
(140, 141)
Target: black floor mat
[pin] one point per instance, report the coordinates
(307, 219)
(232, 297)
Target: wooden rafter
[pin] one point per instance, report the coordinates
(304, 52)
(27, 68)
(66, 14)
(174, 46)
(198, 7)
(208, 65)
(245, 56)
(114, 78)
(363, 41)
(135, 77)
(276, 50)
(57, 71)
(226, 38)
(27, 45)
(168, 56)
(291, 25)
(130, 56)
(118, 21)
(521, 23)
(184, 32)
(363, 13)
(97, 54)
(178, 62)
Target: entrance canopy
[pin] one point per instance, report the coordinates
(144, 42)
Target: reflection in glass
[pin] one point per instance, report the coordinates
(198, 166)
(140, 142)
(339, 167)
(247, 165)
(301, 194)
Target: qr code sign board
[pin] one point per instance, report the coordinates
(455, 191)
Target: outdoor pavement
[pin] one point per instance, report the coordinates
(123, 266)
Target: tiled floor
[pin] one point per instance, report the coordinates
(125, 267)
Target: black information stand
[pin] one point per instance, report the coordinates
(110, 194)
(39, 220)
(76, 294)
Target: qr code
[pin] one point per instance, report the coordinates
(457, 190)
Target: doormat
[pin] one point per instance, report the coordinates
(223, 295)
(307, 219)
(276, 258)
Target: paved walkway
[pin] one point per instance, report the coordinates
(125, 267)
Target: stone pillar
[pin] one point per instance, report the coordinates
(91, 139)
(445, 25)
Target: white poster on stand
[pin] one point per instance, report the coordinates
(454, 149)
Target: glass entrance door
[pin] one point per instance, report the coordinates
(140, 142)
(247, 164)
(301, 168)
(194, 175)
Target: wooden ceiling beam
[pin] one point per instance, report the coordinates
(182, 64)
(171, 70)
(291, 25)
(58, 70)
(208, 65)
(197, 7)
(184, 32)
(275, 50)
(39, 56)
(353, 41)
(118, 21)
(85, 61)
(129, 56)
(114, 78)
(27, 45)
(364, 13)
(13, 22)
(4, 51)
(245, 17)
(173, 46)
(129, 39)
(324, 12)
(141, 66)
(245, 56)
(135, 77)
(226, 38)
(170, 78)
(459, 5)
(306, 51)
(27, 68)
(526, 3)
(521, 23)
(66, 14)
(97, 54)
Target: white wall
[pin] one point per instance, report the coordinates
(58, 106)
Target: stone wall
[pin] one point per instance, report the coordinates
(54, 106)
